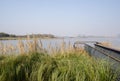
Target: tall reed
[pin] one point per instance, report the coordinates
(62, 63)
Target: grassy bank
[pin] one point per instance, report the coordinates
(59, 64)
(44, 67)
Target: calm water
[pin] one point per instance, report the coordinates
(114, 41)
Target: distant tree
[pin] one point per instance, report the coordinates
(4, 34)
(12, 35)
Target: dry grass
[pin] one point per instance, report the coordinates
(55, 63)
(35, 45)
(108, 44)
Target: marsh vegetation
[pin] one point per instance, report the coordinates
(58, 63)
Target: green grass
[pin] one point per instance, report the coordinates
(60, 64)
(59, 67)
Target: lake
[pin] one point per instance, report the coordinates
(115, 42)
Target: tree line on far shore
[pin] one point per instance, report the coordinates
(2, 34)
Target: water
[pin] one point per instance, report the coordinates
(115, 42)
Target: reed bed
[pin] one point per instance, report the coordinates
(61, 63)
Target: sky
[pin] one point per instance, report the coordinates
(60, 17)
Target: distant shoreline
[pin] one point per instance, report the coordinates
(22, 38)
(5, 36)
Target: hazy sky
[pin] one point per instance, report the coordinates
(60, 17)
